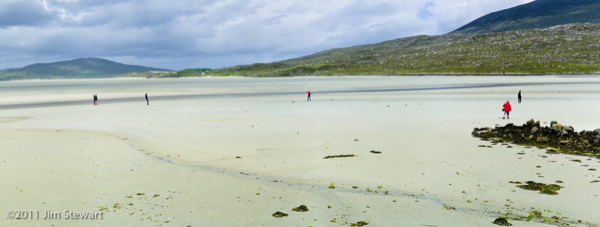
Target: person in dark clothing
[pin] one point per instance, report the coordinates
(147, 102)
(308, 99)
(519, 96)
(95, 100)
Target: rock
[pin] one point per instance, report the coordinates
(569, 129)
(301, 208)
(556, 128)
(542, 139)
(564, 142)
(597, 131)
(534, 130)
(375, 152)
(279, 214)
(530, 122)
(502, 222)
(552, 123)
(562, 133)
(536, 124)
(596, 139)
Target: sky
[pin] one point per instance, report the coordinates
(180, 34)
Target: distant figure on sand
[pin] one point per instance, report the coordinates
(147, 102)
(519, 96)
(506, 109)
(95, 100)
(308, 99)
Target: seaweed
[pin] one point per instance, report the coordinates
(340, 156)
(548, 189)
(360, 223)
(279, 214)
(301, 208)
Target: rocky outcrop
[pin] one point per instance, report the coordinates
(557, 137)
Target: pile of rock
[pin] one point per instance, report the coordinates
(557, 137)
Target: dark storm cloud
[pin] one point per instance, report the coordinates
(181, 34)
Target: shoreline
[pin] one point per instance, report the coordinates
(340, 75)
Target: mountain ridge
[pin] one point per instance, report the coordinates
(90, 67)
(536, 14)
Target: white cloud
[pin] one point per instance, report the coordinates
(180, 34)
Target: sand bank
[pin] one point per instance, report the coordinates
(189, 149)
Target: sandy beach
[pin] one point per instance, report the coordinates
(197, 156)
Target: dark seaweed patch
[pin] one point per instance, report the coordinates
(548, 189)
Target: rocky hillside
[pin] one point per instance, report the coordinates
(536, 14)
(563, 49)
(76, 68)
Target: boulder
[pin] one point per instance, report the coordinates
(557, 128)
(596, 139)
(562, 133)
(534, 130)
(597, 131)
(530, 122)
(569, 129)
(552, 123)
(542, 139)
(536, 124)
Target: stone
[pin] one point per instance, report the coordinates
(596, 139)
(530, 122)
(597, 131)
(569, 129)
(536, 124)
(562, 133)
(534, 130)
(502, 222)
(542, 139)
(552, 123)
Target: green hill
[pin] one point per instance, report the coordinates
(76, 68)
(563, 49)
(541, 37)
(536, 14)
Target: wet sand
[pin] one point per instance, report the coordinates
(89, 158)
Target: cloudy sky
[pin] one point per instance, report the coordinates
(179, 34)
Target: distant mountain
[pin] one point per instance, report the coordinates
(76, 68)
(536, 14)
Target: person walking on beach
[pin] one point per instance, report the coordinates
(308, 99)
(519, 96)
(95, 100)
(506, 109)
(147, 102)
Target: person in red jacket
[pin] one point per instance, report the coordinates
(506, 109)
